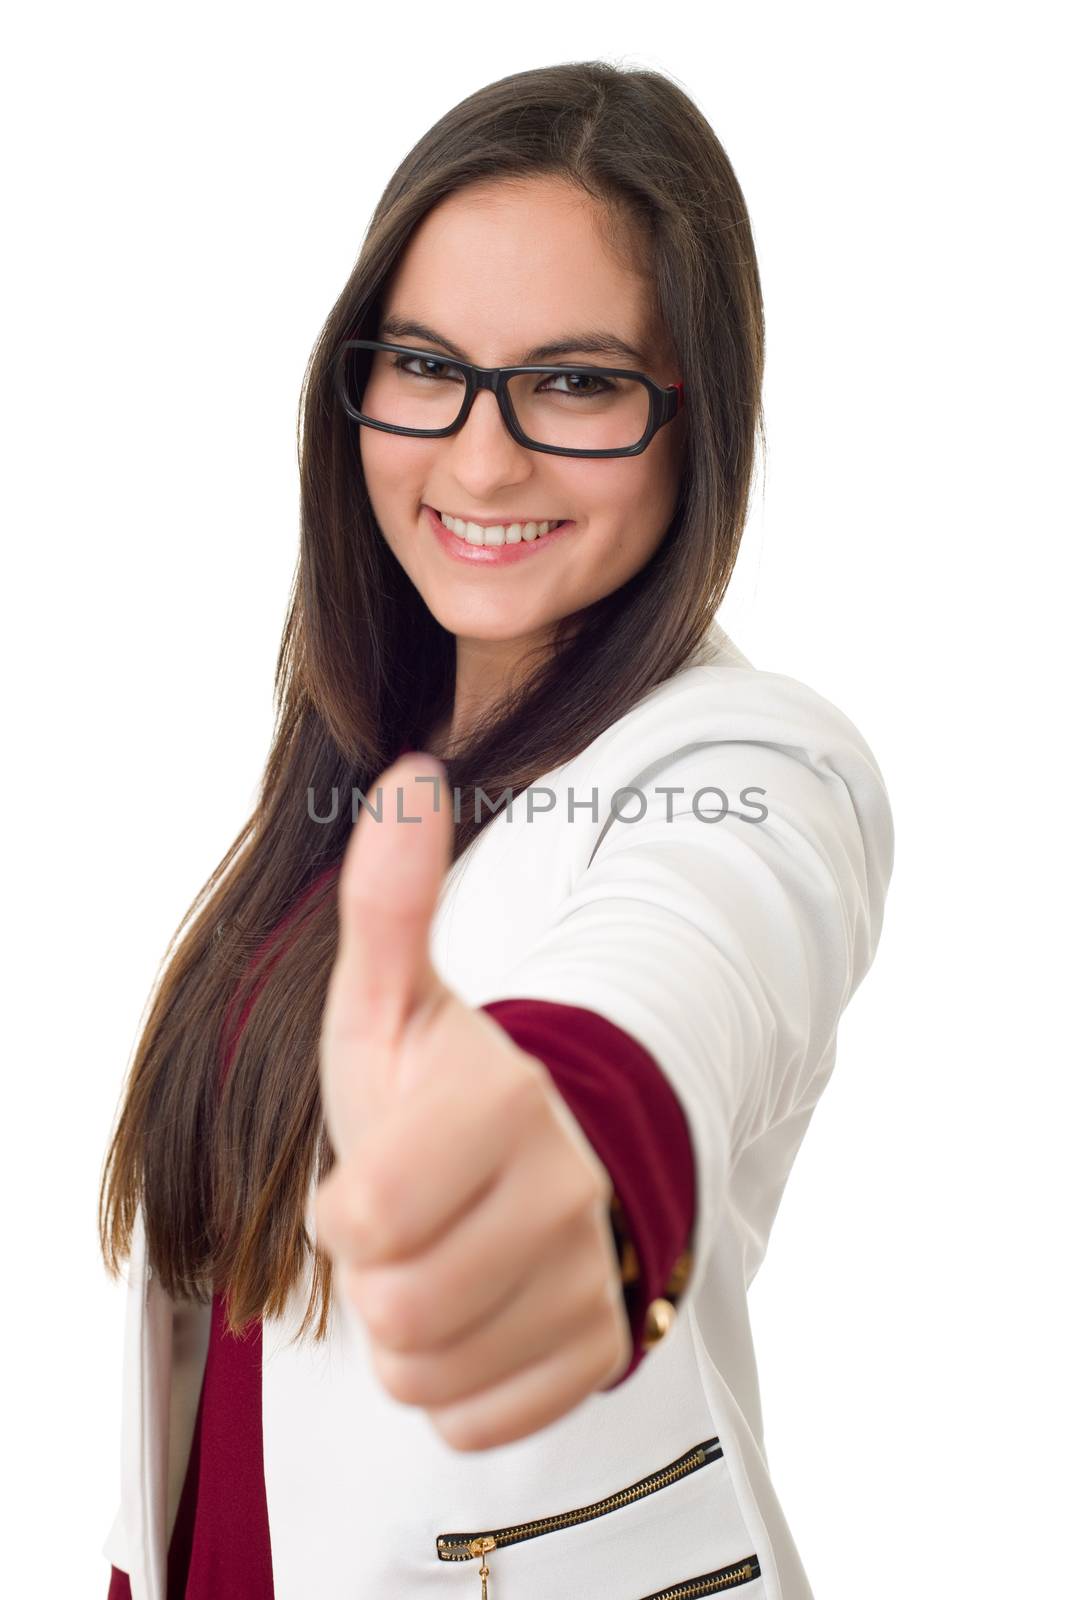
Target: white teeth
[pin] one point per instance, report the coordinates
(498, 533)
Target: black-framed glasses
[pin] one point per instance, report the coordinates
(614, 411)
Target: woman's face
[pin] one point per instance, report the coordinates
(497, 270)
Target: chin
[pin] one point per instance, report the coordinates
(489, 624)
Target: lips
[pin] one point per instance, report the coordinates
(499, 530)
(495, 555)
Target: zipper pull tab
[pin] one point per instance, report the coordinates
(481, 1547)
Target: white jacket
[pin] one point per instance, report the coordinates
(729, 950)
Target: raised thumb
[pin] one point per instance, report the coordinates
(388, 888)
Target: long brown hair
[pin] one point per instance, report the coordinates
(365, 670)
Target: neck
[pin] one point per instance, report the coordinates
(487, 671)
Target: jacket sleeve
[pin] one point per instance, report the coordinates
(631, 1117)
(727, 948)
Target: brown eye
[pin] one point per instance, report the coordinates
(604, 385)
(404, 364)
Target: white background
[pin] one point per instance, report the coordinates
(186, 191)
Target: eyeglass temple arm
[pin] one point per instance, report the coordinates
(679, 389)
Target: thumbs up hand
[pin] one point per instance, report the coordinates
(467, 1213)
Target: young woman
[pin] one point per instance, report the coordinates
(453, 1139)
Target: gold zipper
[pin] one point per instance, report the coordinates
(481, 1547)
(691, 1589)
(468, 1546)
(711, 1582)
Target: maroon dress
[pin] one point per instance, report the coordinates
(220, 1543)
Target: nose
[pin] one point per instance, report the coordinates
(483, 453)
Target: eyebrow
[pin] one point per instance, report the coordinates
(593, 342)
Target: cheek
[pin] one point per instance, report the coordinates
(635, 507)
(386, 464)
(394, 471)
(604, 496)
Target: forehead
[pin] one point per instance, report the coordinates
(499, 267)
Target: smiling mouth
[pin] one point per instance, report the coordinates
(498, 532)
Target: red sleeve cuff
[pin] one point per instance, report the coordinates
(119, 1587)
(633, 1120)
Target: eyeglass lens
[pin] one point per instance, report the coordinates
(579, 411)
